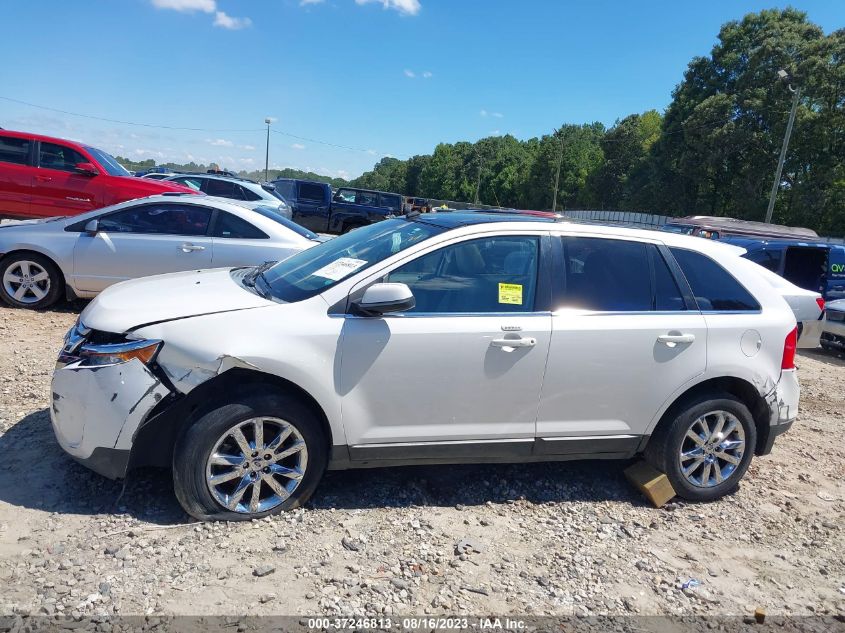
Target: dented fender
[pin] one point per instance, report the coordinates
(185, 376)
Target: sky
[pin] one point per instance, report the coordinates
(345, 82)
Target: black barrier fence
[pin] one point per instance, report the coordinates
(759, 623)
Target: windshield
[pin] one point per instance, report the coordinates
(293, 226)
(312, 271)
(108, 162)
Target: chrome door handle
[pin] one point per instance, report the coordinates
(673, 339)
(187, 248)
(510, 344)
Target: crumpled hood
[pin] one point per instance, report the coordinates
(130, 304)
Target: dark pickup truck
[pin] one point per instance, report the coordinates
(314, 207)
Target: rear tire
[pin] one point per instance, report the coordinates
(221, 458)
(30, 280)
(706, 447)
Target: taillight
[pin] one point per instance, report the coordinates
(820, 301)
(789, 346)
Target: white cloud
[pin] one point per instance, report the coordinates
(496, 133)
(427, 74)
(187, 6)
(228, 22)
(219, 142)
(410, 73)
(297, 146)
(405, 7)
(497, 115)
(221, 18)
(248, 148)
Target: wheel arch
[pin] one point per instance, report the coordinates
(155, 439)
(740, 388)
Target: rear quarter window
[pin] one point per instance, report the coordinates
(714, 288)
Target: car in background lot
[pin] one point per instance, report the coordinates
(833, 328)
(42, 260)
(718, 227)
(563, 341)
(807, 306)
(234, 188)
(811, 264)
(314, 206)
(42, 176)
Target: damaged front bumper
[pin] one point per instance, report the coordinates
(97, 409)
(783, 409)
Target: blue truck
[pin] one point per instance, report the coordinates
(314, 206)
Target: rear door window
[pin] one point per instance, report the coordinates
(190, 182)
(61, 157)
(390, 201)
(231, 226)
(368, 198)
(223, 189)
(610, 275)
(248, 194)
(715, 289)
(14, 150)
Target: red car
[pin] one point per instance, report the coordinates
(42, 176)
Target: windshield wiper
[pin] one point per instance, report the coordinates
(258, 273)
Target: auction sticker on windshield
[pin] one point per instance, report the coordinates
(340, 268)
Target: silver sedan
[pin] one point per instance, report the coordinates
(78, 256)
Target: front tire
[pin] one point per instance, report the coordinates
(30, 280)
(259, 454)
(705, 449)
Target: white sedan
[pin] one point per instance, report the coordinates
(79, 256)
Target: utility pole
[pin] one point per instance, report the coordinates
(268, 120)
(557, 173)
(478, 181)
(796, 95)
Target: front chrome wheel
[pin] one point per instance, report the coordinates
(26, 281)
(256, 464)
(712, 449)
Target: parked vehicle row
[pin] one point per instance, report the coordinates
(563, 341)
(42, 261)
(240, 189)
(42, 176)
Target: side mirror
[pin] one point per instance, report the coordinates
(86, 169)
(385, 298)
(92, 227)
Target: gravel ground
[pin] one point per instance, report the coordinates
(562, 539)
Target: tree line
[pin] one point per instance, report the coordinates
(712, 152)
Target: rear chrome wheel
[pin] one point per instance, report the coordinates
(704, 445)
(712, 449)
(256, 465)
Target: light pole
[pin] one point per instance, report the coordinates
(268, 120)
(796, 95)
(557, 173)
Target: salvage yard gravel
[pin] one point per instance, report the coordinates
(535, 539)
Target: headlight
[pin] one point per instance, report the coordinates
(113, 353)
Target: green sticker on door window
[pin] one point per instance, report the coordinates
(510, 293)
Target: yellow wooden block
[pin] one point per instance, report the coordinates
(654, 485)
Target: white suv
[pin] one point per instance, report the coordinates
(453, 337)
